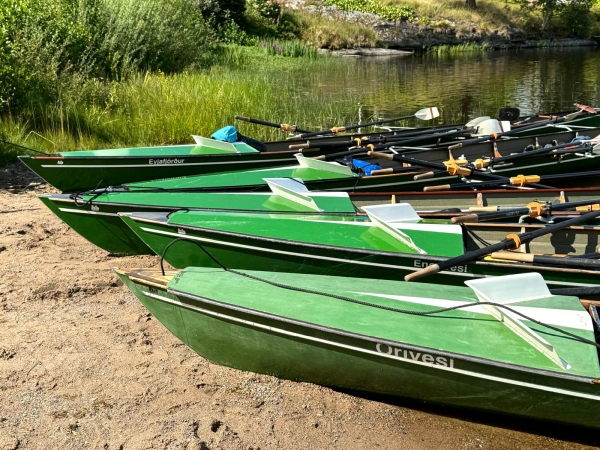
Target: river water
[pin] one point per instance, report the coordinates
(462, 86)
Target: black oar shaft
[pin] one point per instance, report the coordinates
(511, 242)
(581, 263)
(526, 210)
(505, 133)
(272, 124)
(335, 130)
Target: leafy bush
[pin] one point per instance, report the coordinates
(41, 41)
(322, 32)
(575, 19)
(217, 12)
(389, 12)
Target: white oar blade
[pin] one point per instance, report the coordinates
(477, 121)
(427, 113)
(571, 116)
(489, 126)
(505, 126)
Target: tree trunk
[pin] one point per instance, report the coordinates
(471, 4)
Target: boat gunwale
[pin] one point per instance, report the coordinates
(356, 250)
(171, 209)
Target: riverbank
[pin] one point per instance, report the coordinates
(494, 25)
(84, 365)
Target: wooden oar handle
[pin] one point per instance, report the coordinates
(441, 187)
(466, 218)
(381, 155)
(382, 171)
(429, 270)
(513, 256)
(479, 209)
(423, 176)
(455, 146)
(299, 146)
(245, 119)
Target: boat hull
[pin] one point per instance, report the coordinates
(244, 250)
(82, 173)
(251, 340)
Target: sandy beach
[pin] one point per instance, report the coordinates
(84, 365)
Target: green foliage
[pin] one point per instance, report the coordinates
(42, 41)
(217, 12)
(166, 35)
(389, 12)
(293, 49)
(467, 48)
(321, 32)
(572, 18)
(575, 18)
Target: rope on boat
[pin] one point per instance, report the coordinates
(95, 195)
(474, 236)
(25, 148)
(373, 305)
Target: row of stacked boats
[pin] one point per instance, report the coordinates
(288, 260)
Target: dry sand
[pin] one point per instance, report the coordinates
(84, 365)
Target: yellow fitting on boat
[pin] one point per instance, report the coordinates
(522, 180)
(455, 169)
(588, 208)
(358, 141)
(516, 238)
(371, 148)
(287, 127)
(336, 130)
(494, 135)
(480, 163)
(453, 166)
(536, 209)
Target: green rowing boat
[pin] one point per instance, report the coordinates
(97, 219)
(325, 175)
(496, 355)
(393, 242)
(78, 171)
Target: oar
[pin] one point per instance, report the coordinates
(513, 131)
(519, 180)
(358, 142)
(422, 114)
(387, 142)
(452, 166)
(282, 126)
(571, 146)
(512, 241)
(533, 209)
(543, 259)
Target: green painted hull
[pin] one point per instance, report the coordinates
(328, 179)
(80, 171)
(244, 241)
(98, 220)
(249, 325)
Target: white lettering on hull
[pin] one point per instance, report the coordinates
(168, 161)
(401, 353)
(422, 264)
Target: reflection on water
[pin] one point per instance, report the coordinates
(463, 86)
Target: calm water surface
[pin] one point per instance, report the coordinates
(463, 86)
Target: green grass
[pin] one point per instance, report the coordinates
(467, 48)
(321, 32)
(154, 109)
